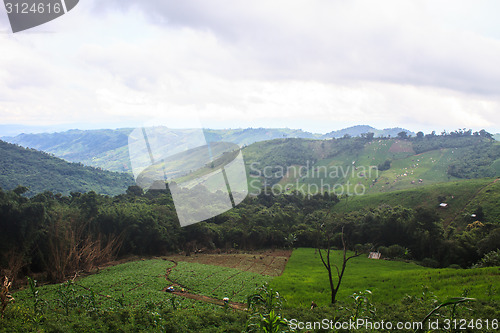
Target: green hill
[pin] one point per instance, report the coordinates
(107, 149)
(294, 160)
(362, 129)
(42, 172)
(362, 165)
(462, 198)
(99, 148)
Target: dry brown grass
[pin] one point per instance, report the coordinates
(5, 297)
(15, 261)
(71, 250)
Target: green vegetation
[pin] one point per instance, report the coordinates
(59, 235)
(218, 282)
(458, 195)
(296, 160)
(367, 165)
(130, 297)
(107, 149)
(305, 280)
(129, 284)
(431, 249)
(42, 172)
(126, 297)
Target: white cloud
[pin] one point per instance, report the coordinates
(311, 64)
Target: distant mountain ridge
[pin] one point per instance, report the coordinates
(355, 131)
(107, 148)
(402, 162)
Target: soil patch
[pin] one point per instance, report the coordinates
(267, 262)
(401, 147)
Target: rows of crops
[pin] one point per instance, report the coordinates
(219, 282)
(133, 284)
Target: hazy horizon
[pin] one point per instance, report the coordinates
(315, 65)
(12, 130)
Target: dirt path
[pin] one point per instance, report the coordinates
(233, 305)
(207, 299)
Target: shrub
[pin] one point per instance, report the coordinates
(490, 259)
(429, 262)
(396, 251)
(384, 166)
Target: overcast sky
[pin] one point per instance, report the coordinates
(318, 65)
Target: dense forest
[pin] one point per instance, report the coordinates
(58, 235)
(43, 172)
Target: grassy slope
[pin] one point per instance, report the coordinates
(305, 279)
(356, 167)
(461, 196)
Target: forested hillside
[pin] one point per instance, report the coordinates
(42, 172)
(372, 164)
(363, 164)
(60, 235)
(107, 149)
(362, 129)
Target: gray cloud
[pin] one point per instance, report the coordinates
(334, 41)
(241, 64)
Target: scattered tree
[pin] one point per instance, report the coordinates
(327, 262)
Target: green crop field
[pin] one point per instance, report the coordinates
(216, 281)
(138, 282)
(129, 296)
(305, 279)
(130, 284)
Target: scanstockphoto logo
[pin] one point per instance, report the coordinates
(205, 178)
(26, 14)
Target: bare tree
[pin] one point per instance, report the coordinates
(335, 285)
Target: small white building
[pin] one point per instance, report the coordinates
(374, 255)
